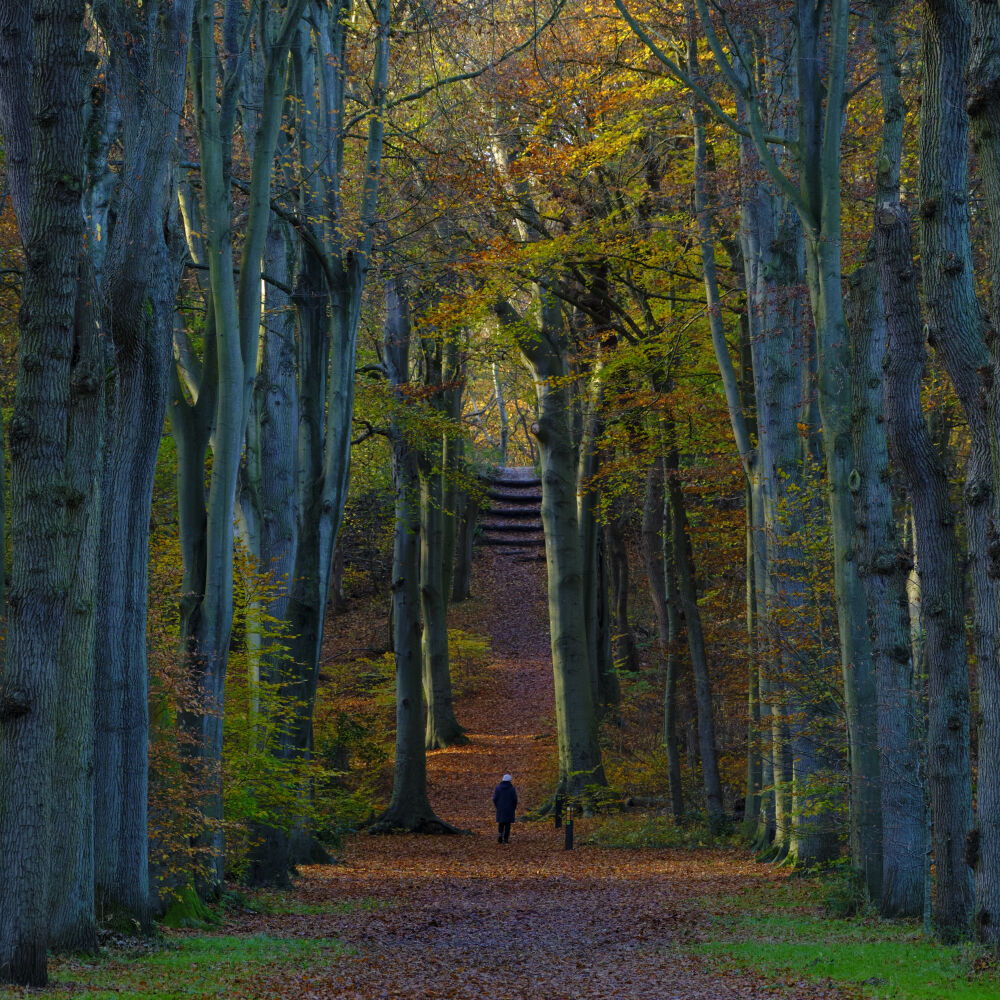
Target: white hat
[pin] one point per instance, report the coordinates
(507, 777)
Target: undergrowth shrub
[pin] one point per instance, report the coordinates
(844, 891)
(469, 655)
(631, 831)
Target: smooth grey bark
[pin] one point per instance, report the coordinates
(543, 346)
(443, 728)
(815, 41)
(267, 502)
(903, 765)
(236, 316)
(141, 290)
(328, 296)
(409, 808)
(53, 239)
(956, 330)
(502, 413)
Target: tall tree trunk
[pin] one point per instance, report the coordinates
(142, 291)
(268, 506)
(501, 412)
(53, 240)
(883, 568)
(595, 577)
(657, 550)
(903, 765)
(72, 923)
(984, 111)
(443, 729)
(579, 748)
(688, 594)
(333, 293)
(237, 311)
(955, 329)
(409, 807)
(626, 657)
(467, 512)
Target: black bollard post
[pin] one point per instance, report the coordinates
(558, 812)
(569, 835)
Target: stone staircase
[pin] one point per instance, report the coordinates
(513, 519)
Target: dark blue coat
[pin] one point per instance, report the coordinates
(505, 799)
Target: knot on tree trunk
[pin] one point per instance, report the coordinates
(14, 702)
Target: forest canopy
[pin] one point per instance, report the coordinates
(303, 304)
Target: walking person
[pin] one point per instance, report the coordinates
(505, 799)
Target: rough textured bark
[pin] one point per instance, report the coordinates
(955, 329)
(903, 766)
(984, 111)
(823, 47)
(72, 922)
(883, 568)
(53, 242)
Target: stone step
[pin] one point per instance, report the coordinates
(533, 527)
(526, 510)
(515, 496)
(506, 541)
(517, 475)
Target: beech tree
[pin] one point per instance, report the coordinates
(51, 221)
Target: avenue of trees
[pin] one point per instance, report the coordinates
(727, 274)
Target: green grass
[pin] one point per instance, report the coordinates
(200, 966)
(783, 931)
(632, 832)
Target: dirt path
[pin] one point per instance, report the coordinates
(464, 917)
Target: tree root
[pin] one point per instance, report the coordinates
(458, 739)
(393, 824)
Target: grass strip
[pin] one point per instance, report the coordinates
(191, 966)
(785, 931)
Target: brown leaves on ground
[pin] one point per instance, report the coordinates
(465, 917)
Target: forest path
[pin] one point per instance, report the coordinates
(464, 917)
